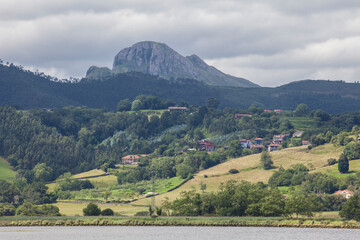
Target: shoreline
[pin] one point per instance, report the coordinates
(179, 221)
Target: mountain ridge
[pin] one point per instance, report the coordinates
(160, 60)
(27, 90)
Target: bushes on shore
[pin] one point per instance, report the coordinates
(28, 209)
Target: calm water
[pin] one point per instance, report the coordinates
(172, 233)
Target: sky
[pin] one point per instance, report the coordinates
(271, 43)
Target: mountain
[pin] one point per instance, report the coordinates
(29, 90)
(158, 59)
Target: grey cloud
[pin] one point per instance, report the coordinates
(268, 42)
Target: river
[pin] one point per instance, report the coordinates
(175, 233)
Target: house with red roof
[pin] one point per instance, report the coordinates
(243, 143)
(206, 145)
(259, 141)
(241, 115)
(278, 139)
(130, 159)
(345, 193)
(258, 147)
(177, 109)
(273, 147)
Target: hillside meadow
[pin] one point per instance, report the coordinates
(249, 170)
(6, 173)
(248, 167)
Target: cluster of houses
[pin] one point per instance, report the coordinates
(256, 144)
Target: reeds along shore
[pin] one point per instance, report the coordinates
(182, 221)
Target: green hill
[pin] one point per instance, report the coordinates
(249, 170)
(248, 167)
(29, 90)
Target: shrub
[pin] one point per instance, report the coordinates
(7, 209)
(92, 210)
(107, 212)
(331, 161)
(158, 211)
(142, 213)
(233, 171)
(28, 209)
(48, 210)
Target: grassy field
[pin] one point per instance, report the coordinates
(302, 123)
(249, 170)
(125, 192)
(354, 167)
(90, 174)
(75, 209)
(6, 173)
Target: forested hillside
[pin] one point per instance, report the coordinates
(77, 139)
(28, 90)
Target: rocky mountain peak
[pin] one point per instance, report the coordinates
(158, 59)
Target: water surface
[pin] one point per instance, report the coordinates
(173, 233)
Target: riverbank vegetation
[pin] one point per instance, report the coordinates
(319, 222)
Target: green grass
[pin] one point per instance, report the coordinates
(121, 168)
(354, 167)
(6, 173)
(123, 192)
(302, 123)
(90, 174)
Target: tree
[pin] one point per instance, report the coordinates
(124, 105)
(351, 209)
(136, 105)
(301, 204)
(301, 110)
(212, 103)
(202, 187)
(92, 210)
(266, 161)
(343, 164)
(235, 149)
(7, 209)
(106, 195)
(107, 212)
(42, 172)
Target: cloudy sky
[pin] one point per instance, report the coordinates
(268, 42)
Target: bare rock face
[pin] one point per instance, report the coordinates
(160, 60)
